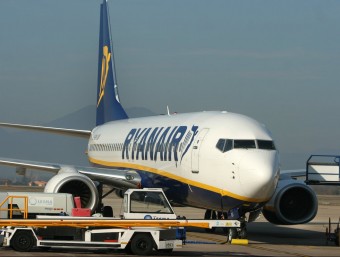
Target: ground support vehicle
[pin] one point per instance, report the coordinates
(140, 241)
(148, 223)
(324, 170)
(333, 236)
(136, 236)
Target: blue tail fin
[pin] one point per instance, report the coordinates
(108, 105)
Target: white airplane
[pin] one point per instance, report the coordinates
(219, 161)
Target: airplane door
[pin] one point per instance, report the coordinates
(196, 150)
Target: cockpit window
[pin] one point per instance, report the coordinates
(266, 144)
(220, 144)
(225, 145)
(244, 144)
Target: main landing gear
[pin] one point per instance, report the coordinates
(231, 233)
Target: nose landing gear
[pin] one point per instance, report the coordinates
(237, 233)
(231, 233)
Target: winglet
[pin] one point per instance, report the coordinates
(109, 107)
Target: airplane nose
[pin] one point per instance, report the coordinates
(259, 173)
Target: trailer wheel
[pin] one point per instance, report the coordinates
(23, 241)
(141, 244)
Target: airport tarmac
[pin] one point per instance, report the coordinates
(265, 239)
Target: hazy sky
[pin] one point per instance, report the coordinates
(276, 61)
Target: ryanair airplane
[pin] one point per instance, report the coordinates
(220, 161)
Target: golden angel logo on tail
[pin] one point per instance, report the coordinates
(104, 73)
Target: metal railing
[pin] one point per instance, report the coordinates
(10, 208)
(323, 170)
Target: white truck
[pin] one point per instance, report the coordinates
(17, 204)
(147, 224)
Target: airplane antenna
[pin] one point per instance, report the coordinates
(168, 110)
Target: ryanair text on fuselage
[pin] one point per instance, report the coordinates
(159, 143)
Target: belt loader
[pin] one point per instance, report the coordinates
(149, 223)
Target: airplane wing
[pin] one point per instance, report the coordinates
(114, 177)
(23, 164)
(62, 131)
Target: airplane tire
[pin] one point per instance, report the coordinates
(23, 241)
(142, 244)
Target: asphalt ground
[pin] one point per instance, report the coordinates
(265, 239)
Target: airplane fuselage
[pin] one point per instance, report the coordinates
(211, 160)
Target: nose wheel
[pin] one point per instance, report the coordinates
(236, 233)
(231, 233)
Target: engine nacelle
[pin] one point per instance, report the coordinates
(292, 203)
(69, 180)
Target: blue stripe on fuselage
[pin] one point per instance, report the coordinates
(185, 194)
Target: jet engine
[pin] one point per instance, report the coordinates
(293, 202)
(69, 180)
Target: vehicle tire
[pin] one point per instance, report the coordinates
(231, 234)
(128, 249)
(142, 244)
(23, 241)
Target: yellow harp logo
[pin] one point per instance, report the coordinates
(105, 71)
